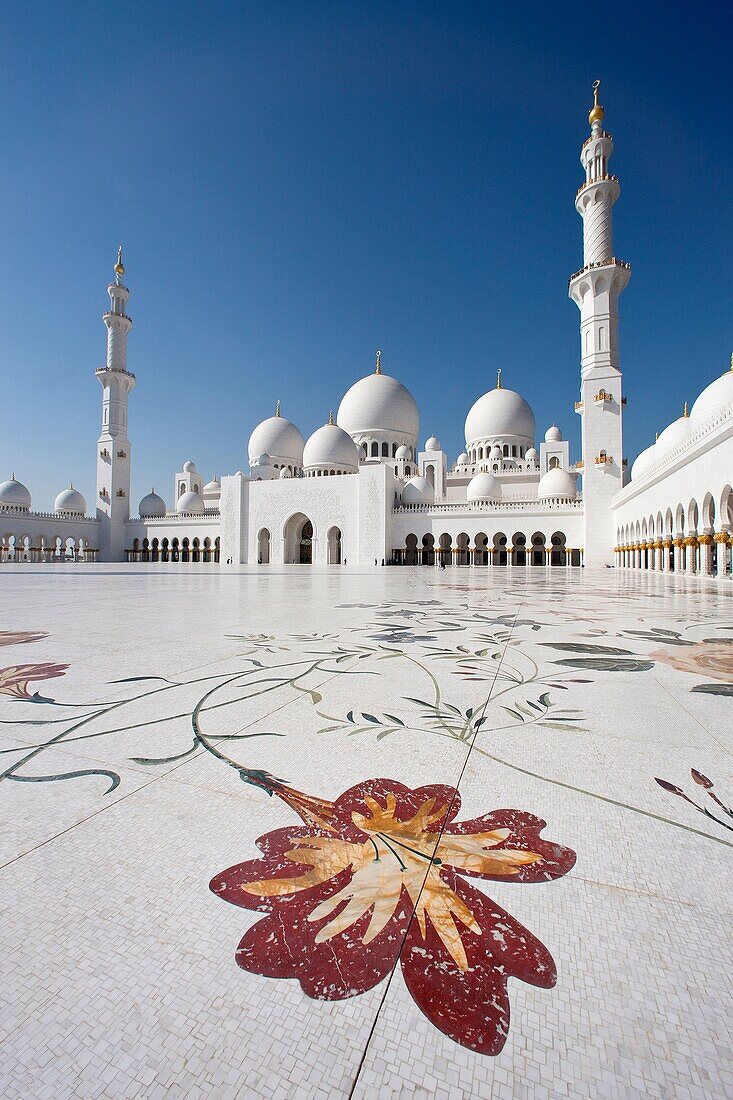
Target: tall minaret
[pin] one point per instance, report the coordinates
(113, 449)
(595, 290)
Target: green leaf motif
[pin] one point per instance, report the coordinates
(606, 664)
(713, 689)
(586, 647)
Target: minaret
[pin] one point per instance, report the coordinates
(113, 449)
(595, 290)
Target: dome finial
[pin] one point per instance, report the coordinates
(731, 362)
(379, 363)
(686, 411)
(330, 417)
(498, 378)
(596, 113)
(277, 407)
(119, 266)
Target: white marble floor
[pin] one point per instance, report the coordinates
(387, 936)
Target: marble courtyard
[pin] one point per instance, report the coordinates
(381, 833)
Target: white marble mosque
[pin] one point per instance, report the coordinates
(506, 501)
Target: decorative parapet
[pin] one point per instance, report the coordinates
(171, 518)
(11, 510)
(579, 406)
(499, 506)
(595, 137)
(603, 459)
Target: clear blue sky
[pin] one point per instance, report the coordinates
(297, 184)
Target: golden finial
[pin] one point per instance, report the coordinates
(379, 363)
(656, 437)
(330, 417)
(119, 266)
(686, 411)
(498, 378)
(596, 113)
(731, 361)
(277, 408)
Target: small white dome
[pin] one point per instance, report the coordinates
(212, 488)
(553, 435)
(332, 447)
(462, 459)
(483, 486)
(499, 414)
(557, 483)
(13, 494)
(496, 454)
(276, 436)
(262, 460)
(285, 472)
(189, 467)
(432, 444)
(531, 455)
(403, 453)
(152, 505)
(70, 501)
(714, 398)
(378, 403)
(644, 460)
(675, 433)
(418, 490)
(190, 502)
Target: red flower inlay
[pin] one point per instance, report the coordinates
(376, 876)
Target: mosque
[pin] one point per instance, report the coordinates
(360, 491)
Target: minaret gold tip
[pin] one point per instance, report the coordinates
(379, 363)
(596, 113)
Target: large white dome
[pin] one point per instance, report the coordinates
(152, 506)
(557, 483)
(644, 461)
(277, 437)
(713, 399)
(483, 487)
(499, 414)
(674, 434)
(418, 490)
(13, 494)
(71, 502)
(190, 503)
(330, 446)
(379, 403)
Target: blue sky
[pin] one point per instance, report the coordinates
(297, 184)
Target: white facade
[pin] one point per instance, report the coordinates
(507, 500)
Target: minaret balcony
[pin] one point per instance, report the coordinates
(603, 459)
(603, 398)
(113, 370)
(579, 407)
(122, 454)
(104, 453)
(610, 262)
(120, 493)
(605, 178)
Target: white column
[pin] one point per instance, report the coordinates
(691, 551)
(706, 555)
(721, 541)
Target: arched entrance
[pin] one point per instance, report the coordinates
(334, 546)
(298, 536)
(263, 547)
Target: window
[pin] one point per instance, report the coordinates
(375, 450)
(554, 463)
(505, 451)
(385, 450)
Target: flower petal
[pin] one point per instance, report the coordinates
(550, 860)
(471, 1006)
(285, 944)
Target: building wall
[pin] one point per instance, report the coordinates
(687, 492)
